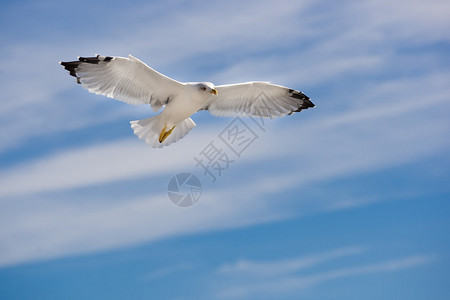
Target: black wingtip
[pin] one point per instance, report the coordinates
(305, 102)
(72, 66)
(95, 60)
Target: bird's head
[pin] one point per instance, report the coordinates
(207, 87)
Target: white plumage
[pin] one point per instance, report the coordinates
(130, 80)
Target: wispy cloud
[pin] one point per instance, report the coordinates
(241, 283)
(273, 269)
(164, 272)
(93, 165)
(36, 228)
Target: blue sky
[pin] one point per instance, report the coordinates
(347, 200)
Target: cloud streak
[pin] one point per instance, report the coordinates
(285, 283)
(288, 266)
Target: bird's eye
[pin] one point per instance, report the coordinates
(203, 88)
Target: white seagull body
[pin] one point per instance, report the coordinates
(130, 80)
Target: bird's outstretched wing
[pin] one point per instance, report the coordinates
(259, 99)
(123, 78)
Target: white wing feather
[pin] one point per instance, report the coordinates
(259, 99)
(124, 78)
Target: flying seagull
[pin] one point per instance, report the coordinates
(130, 80)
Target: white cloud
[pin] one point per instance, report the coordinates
(282, 284)
(287, 266)
(38, 228)
(125, 159)
(404, 19)
(164, 272)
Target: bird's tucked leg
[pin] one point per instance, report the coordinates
(164, 134)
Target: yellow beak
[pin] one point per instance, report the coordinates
(214, 91)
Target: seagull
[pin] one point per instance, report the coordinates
(130, 80)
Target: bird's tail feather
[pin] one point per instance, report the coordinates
(149, 130)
